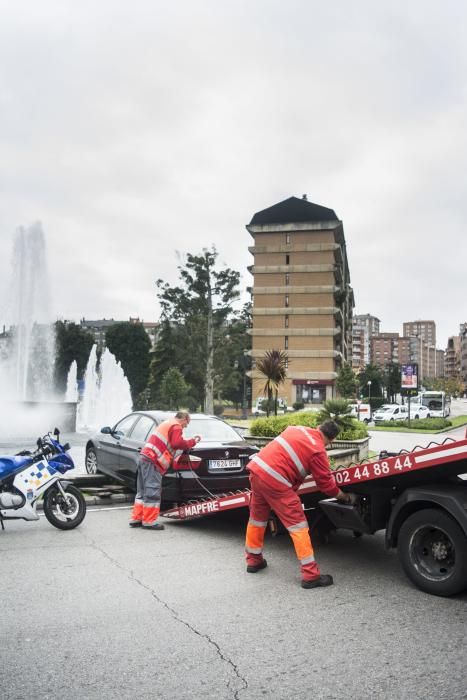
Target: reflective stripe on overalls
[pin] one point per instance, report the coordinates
(159, 444)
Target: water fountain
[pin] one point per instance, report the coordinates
(71, 394)
(107, 396)
(27, 362)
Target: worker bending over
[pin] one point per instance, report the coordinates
(156, 457)
(276, 472)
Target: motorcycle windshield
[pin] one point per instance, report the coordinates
(61, 463)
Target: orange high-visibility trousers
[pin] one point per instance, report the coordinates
(147, 503)
(288, 507)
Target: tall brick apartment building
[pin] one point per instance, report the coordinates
(302, 298)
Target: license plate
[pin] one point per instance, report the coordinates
(224, 464)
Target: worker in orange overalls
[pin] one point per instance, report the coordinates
(276, 472)
(156, 457)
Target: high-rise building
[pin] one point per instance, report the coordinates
(384, 349)
(452, 362)
(302, 298)
(364, 327)
(426, 330)
(463, 354)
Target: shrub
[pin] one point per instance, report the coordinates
(421, 424)
(274, 425)
(218, 409)
(298, 405)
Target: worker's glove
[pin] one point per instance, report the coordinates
(348, 498)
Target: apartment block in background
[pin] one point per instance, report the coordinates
(421, 329)
(302, 298)
(384, 349)
(453, 357)
(463, 354)
(364, 327)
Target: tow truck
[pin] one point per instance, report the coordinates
(418, 497)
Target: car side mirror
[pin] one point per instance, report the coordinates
(107, 430)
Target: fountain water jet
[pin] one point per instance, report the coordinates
(72, 383)
(28, 369)
(107, 396)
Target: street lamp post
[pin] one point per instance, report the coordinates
(244, 401)
(369, 391)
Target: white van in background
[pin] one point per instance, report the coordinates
(361, 411)
(390, 412)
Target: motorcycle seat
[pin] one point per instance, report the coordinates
(10, 465)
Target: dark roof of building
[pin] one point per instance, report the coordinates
(293, 210)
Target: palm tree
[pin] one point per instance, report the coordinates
(273, 366)
(338, 410)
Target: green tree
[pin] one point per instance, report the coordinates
(346, 382)
(231, 359)
(168, 353)
(130, 344)
(73, 343)
(173, 388)
(392, 380)
(273, 366)
(200, 306)
(375, 374)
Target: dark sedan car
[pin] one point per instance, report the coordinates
(217, 464)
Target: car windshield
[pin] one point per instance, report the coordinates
(211, 430)
(383, 409)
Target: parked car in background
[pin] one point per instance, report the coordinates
(390, 412)
(217, 464)
(259, 409)
(361, 411)
(418, 410)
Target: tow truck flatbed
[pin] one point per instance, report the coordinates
(417, 496)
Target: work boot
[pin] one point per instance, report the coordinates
(254, 568)
(135, 523)
(323, 580)
(154, 526)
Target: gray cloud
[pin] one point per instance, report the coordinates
(132, 130)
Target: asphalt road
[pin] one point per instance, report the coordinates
(108, 612)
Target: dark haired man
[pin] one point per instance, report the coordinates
(156, 457)
(276, 472)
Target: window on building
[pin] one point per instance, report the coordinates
(287, 364)
(286, 342)
(287, 259)
(287, 279)
(286, 299)
(286, 321)
(287, 237)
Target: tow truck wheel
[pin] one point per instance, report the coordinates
(433, 552)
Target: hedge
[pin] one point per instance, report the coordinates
(421, 424)
(274, 425)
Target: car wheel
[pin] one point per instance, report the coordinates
(91, 461)
(417, 417)
(433, 552)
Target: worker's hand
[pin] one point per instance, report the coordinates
(344, 497)
(196, 438)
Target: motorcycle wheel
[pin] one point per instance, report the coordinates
(61, 513)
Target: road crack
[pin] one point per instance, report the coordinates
(176, 616)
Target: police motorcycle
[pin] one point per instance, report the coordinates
(28, 476)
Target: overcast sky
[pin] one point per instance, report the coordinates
(133, 130)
